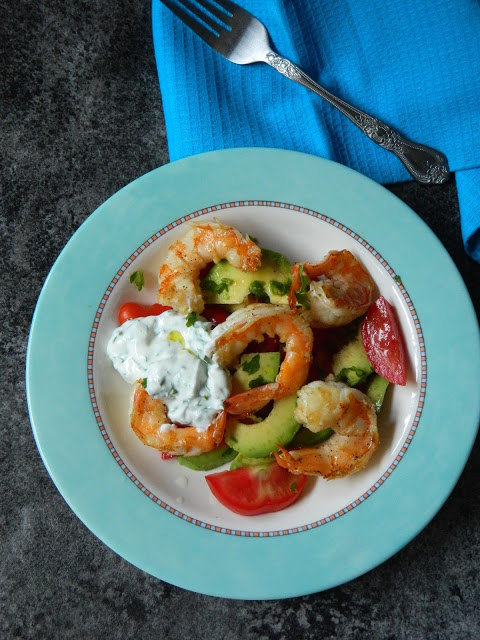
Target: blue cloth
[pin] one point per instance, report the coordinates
(415, 64)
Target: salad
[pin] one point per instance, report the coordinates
(277, 370)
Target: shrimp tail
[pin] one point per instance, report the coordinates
(252, 400)
(295, 287)
(308, 462)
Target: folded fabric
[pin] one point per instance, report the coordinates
(415, 64)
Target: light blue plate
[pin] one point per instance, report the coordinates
(167, 546)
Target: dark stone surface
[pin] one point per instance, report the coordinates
(81, 116)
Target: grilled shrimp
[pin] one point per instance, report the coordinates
(204, 242)
(250, 324)
(352, 417)
(149, 421)
(340, 290)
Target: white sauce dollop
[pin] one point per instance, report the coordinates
(191, 383)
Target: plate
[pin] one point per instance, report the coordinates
(160, 516)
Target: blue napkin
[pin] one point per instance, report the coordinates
(415, 64)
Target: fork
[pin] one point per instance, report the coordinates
(238, 36)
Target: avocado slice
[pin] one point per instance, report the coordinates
(255, 369)
(351, 363)
(376, 389)
(241, 461)
(260, 439)
(225, 284)
(208, 460)
(306, 438)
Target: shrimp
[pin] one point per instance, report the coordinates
(352, 417)
(149, 421)
(252, 323)
(341, 289)
(204, 242)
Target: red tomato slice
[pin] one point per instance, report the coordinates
(267, 345)
(130, 310)
(249, 491)
(215, 314)
(383, 341)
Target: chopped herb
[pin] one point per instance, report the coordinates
(253, 365)
(257, 382)
(173, 391)
(302, 293)
(293, 487)
(216, 287)
(137, 278)
(253, 239)
(257, 289)
(398, 280)
(192, 318)
(280, 288)
(144, 383)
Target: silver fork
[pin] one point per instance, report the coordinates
(238, 36)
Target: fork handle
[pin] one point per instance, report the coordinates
(425, 164)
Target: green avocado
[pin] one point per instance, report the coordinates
(209, 460)
(351, 363)
(259, 463)
(376, 389)
(260, 439)
(225, 284)
(255, 369)
(306, 438)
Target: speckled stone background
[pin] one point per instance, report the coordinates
(80, 117)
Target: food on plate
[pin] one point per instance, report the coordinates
(335, 291)
(383, 342)
(279, 369)
(250, 324)
(149, 420)
(226, 284)
(349, 413)
(204, 242)
(250, 491)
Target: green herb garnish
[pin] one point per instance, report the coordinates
(192, 317)
(302, 294)
(398, 280)
(257, 382)
(137, 278)
(253, 365)
(216, 287)
(280, 288)
(257, 289)
(293, 487)
(144, 383)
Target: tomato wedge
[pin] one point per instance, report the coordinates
(383, 342)
(215, 314)
(249, 491)
(130, 310)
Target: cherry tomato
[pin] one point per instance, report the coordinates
(267, 345)
(383, 341)
(249, 491)
(130, 310)
(215, 314)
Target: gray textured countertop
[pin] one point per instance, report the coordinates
(81, 116)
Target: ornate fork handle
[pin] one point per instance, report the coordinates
(425, 164)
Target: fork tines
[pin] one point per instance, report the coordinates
(193, 14)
